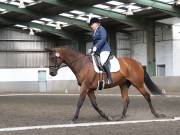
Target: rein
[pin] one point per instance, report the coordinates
(74, 61)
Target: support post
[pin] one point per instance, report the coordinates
(150, 39)
(113, 42)
(81, 45)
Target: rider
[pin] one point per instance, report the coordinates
(100, 45)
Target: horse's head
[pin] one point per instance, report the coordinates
(55, 61)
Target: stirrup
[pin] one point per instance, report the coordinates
(101, 84)
(109, 81)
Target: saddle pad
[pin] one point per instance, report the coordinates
(114, 65)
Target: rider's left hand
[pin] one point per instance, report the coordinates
(94, 49)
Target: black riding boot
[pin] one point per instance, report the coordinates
(108, 73)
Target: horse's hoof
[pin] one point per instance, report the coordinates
(109, 118)
(169, 117)
(119, 118)
(72, 122)
(161, 116)
(122, 118)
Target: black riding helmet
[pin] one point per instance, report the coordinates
(94, 20)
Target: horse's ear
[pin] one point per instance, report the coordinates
(49, 50)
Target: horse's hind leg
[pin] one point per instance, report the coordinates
(124, 92)
(148, 99)
(92, 98)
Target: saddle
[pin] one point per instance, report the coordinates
(98, 61)
(113, 62)
(114, 66)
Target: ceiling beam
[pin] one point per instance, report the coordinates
(166, 8)
(71, 21)
(136, 22)
(132, 21)
(46, 28)
(64, 3)
(13, 8)
(51, 30)
(55, 2)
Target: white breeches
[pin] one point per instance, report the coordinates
(104, 56)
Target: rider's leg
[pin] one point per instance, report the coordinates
(104, 56)
(106, 69)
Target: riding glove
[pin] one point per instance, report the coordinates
(94, 49)
(90, 51)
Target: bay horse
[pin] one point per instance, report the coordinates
(131, 73)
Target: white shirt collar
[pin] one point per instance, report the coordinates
(96, 30)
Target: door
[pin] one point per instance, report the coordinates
(42, 82)
(161, 70)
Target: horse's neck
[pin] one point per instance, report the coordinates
(74, 60)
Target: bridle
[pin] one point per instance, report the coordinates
(56, 65)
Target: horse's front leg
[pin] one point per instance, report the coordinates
(92, 98)
(83, 92)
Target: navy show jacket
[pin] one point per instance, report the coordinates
(100, 40)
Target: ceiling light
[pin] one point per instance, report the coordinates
(63, 23)
(51, 24)
(67, 15)
(89, 17)
(102, 6)
(21, 26)
(29, 1)
(58, 26)
(37, 30)
(115, 3)
(21, 4)
(46, 19)
(76, 12)
(177, 2)
(37, 21)
(129, 11)
(31, 32)
(2, 10)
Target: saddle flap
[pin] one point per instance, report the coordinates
(98, 62)
(114, 65)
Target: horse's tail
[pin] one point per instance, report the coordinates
(153, 88)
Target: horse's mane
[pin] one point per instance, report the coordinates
(74, 51)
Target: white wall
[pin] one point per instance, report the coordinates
(31, 74)
(139, 46)
(12, 41)
(165, 44)
(176, 50)
(164, 48)
(164, 56)
(167, 48)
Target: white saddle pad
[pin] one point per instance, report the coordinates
(114, 65)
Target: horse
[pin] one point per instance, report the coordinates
(131, 73)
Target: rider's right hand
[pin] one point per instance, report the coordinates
(90, 51)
